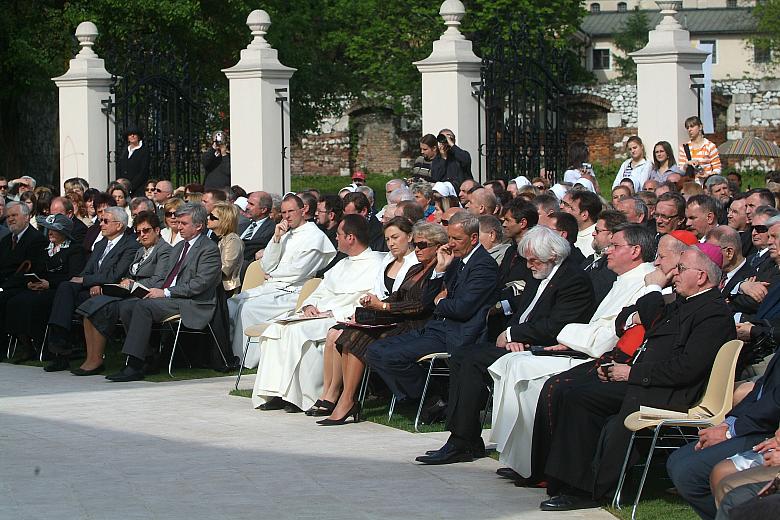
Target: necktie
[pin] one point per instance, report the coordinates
(14, 241)
(175, 272)
(250, 231)
(105, 252)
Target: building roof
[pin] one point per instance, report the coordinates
(697, 21)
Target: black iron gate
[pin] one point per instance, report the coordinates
(157, 94)
(522, 92)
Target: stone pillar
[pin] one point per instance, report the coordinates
(664, 95)
(260, 114)
(85, 131)
(447, 75)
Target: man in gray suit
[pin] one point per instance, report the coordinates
(108, 263)
(189, 290)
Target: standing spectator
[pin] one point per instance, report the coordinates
(699, 156)
(579, 166)
(636, 166)
(452, 163)
(359, 178)
(216, 163)
(663, 162)
(134, 161)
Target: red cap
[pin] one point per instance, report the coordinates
(359, 175)
(686, 237)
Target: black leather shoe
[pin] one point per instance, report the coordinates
(568, 503)
(126, 375)
(291, 408)
(448, 454)
(93, 372)
(508, 473)
(58, 364)
(275, 403)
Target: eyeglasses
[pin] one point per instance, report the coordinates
(615, 246)
(596, 231)
(445, 222)
(659, 216)
(107, 221)
(149, 189)
(3, 186)
(421, 245)
(143, 231)
(681, 268)
(761, 229)
(213, 217)
(565, 204)
(170, 214)
(158, 190)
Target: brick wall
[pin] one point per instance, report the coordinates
(605, 144)
(323, 154)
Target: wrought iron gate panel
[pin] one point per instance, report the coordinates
(523, 84)
(157, 93)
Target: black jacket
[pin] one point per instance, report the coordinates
(259, 239)
(601, 277)
(217, 170)
(135, 168)
(114, 266)
(456, 168)
(28, 256)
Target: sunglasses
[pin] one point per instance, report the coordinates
(150, 189)
(170, 214)
(445, 222)
(760, 229)
(213, 217)
(158, 190)
(3, 186)
(106, 221)
(143, 231)
(421, 245)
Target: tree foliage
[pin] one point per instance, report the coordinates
(767, 37)
(632, 38)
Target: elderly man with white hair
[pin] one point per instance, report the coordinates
(564, 295)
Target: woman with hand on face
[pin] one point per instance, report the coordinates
(636, 167)
(27, 312)
(398, 302)
(223, 221)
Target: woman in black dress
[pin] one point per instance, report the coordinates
(403, 307)
(27, 313)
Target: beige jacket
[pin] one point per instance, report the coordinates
(231, 250)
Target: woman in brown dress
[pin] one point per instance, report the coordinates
(403, 307)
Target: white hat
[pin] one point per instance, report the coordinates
(241, 202)
(586, 183)
(445, 189)
(522, 181)
(351, 188)
(559, 190)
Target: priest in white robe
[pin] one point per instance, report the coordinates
(296, 252)
(290, 365)
(518, 377)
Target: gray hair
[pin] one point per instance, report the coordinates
(29, 180)
(639, 235)
(767, 211)
(24, 209)
(138, 201)
(729, 237)
(368, 192)
(640, 208)
(675, 246)
(197, 212)
(398, 183)
(119, 214)
(276, 201)
(488, 223)
(714, 180)
(469, 222)
(423, 188)
(430, 232)
(714, 273)
(545, 244)
(769, 223)
(399, 194)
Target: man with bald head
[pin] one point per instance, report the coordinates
(466, 188)
(482, 202)
(64, 206)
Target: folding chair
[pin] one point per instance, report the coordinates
(254, 276)
(176, 318)
(711, 410)
(255, 331)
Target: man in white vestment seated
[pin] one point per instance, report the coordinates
(296, 252)
(519, 378)
(289, 373)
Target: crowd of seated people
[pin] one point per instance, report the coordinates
(575, 308)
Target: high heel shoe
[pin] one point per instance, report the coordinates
(321, 407)
(353, 412)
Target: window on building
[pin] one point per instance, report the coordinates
(622, 7)
(731, 3)
(714, 44)
(601, 59)
(595, 8)
(761, 54)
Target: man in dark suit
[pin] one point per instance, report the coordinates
(737, 220)
(563, 296)
(565, 225)
(94, 233)
(189, 290)
(750, 293)
(669, 371)
(595, 266)
(22, 250)
(108, 263)
(461, 289)
(64, 206)
(735, 267)
(358, 204)
(260, 229)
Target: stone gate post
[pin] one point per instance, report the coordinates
(663, 80)
(447, 77)
(85, 132)
(260, 113)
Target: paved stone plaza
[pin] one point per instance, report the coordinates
(82, 448)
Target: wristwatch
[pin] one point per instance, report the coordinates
(728, 433)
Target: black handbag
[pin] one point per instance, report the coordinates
(371, 317)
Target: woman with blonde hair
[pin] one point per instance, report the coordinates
(171, 231)
(223, 221)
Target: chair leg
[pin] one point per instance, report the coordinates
(8, 350)
(243, 358)
(216, 343)
(43, 343)
(422, 397)
(13, 350)
(623, 473)
(173, 350)
(364, 386)
(644, 473)
(392, 407)
(489, 406)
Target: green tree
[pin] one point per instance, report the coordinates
(632, 38)
(767, 37)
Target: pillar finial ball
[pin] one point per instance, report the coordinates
(86, 34)
(452, 11)
(669, 9)
(258, 22)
